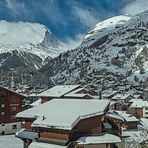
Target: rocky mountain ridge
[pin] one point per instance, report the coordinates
(113, 53)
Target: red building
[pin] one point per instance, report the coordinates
(10, 104)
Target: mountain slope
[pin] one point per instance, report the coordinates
(113, 53)
(25, 47)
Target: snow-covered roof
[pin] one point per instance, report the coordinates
(136, 96)
(133, 100)
(58, 91)
(130, 118)
(64, 113)
(106, 138)
(139, 104)
(77, 95)
(95, 97)
(120, 96)
(113, 115)
(127, 117)
(135, 135)
(37, 102)
(122, 115)
(12, 91)
(144, 122)
(108, 94)
(44, 145)
(77, 90)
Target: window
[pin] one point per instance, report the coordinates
(14, 126)
(2, 97)
(13, 108)
(3, 105)
(2, 113)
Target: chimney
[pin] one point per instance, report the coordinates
(44, 118)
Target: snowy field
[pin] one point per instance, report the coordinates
(9, 141)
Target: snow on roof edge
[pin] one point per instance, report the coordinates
(99, 139)
(69, 127)
(13, 91)
(58, 94)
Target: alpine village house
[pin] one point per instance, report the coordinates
(66, 91)
(10, 104)
(67, 123)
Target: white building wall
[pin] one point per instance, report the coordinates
(10, 128)
(145, 112)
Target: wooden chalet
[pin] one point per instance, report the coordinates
(122, 97)
(66, 91)
(103, 141)
(139, 108)
(120, 120)
(108, 94)
(63, 123)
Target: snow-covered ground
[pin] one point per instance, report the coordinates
(9, 141)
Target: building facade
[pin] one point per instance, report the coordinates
(10, 105)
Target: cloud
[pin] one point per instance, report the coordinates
(9, 4)
(135, 7)
(73, 43)
(85, 16)
(17, 8)
(21, 33)
(35, 10)
(52, 11)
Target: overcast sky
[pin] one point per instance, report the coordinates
(68, 20)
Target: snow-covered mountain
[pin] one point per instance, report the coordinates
(114, 53)
(107, 26)
(27, 41)
(25, 47)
